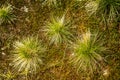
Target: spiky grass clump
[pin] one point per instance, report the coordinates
(91, 7)
(58, 31)
(50, 2)
(28, 54)
(6, 15)
(86, 54)
(108, 9)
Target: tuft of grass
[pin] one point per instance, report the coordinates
(50, 2)
(91, 7)
(58, 31)
(86, 54)
(6, 14)
(107, 9)
(28, 53)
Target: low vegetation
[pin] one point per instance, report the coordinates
(59, 40)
